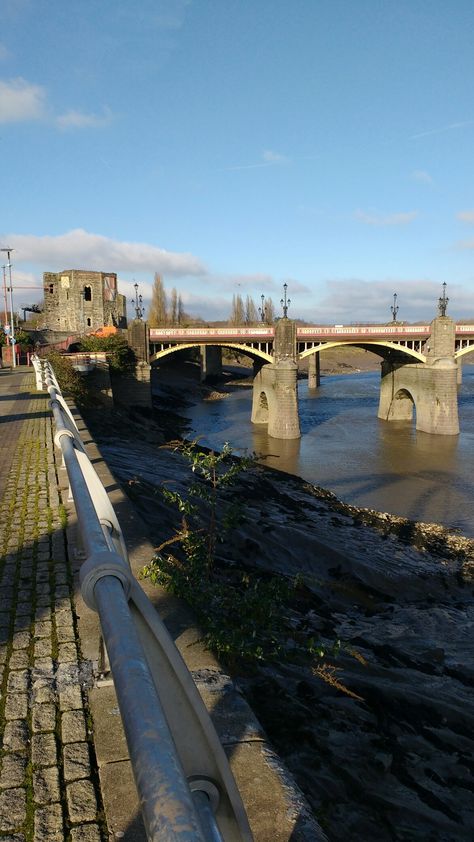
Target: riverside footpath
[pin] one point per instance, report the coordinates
(64, 767)
(48, 779)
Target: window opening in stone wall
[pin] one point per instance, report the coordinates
(87, 293)
(51, 288)
(88, 322)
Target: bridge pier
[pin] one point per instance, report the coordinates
(314, 371)
(275, 387)
(430, 388)
(210, 357)
(275, 399)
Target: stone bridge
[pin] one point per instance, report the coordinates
(420, 366)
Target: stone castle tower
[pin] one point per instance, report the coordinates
(79, 301)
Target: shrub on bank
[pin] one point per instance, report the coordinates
(119, 354)
(72, 384)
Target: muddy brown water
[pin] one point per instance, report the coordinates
(345, 448)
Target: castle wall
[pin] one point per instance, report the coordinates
(79, 301)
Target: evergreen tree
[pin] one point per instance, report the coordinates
(158, 316)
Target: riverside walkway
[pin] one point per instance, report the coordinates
(64, 767)
(48, 776)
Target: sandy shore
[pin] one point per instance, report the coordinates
(398, 763)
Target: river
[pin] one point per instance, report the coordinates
(345, 448)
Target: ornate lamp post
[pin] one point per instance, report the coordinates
(137, 301)
(443, 302)
(10, 290)
(394, 308)
(262, 310)
(284, 302)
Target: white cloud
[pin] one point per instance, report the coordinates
(380, 219)
(20, 101)
(208, 307)
(269, 159)
(81, 249)
(255, 284)
(356, 300)
(294, 287)
(243, 283)
(466, 216)
(274, 157)
(422, 176)
(73, 119)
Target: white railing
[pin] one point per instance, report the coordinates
(185, 786)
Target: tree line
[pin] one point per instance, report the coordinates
(168, 309)
(164, 310)
(247, 313)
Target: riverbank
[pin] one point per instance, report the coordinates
(395, 764)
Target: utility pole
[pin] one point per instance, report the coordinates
(10, 289)
(5, 311)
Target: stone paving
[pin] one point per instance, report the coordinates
(48, 773)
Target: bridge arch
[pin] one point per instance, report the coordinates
(260, 409)
(463, 351)
(367, 345)
(245, 349)
(402, 406)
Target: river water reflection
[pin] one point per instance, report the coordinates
(345, 448)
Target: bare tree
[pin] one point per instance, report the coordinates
(158, 309)
(269, 311)
(237, 316)
(174, 306)
(251, 317)
(181, 313)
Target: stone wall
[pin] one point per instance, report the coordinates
(429, 390)
(80, 301)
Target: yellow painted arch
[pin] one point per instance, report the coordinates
(463, 351)
(245, 348)
(392, 345)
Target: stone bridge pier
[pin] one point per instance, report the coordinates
(210, 358)
(275, 387)
(428, 388)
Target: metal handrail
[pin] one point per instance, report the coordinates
(185, 785)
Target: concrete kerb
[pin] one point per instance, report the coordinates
(275, 807)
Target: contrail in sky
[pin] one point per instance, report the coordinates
(443, 129)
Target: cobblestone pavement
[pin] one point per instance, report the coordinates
(48, 774)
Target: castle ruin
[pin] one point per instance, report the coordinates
(79, 301)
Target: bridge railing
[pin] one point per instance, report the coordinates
(158, 334)
(185, 786)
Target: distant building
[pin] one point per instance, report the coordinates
(78, 301)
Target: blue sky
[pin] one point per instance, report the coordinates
(234, 145)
